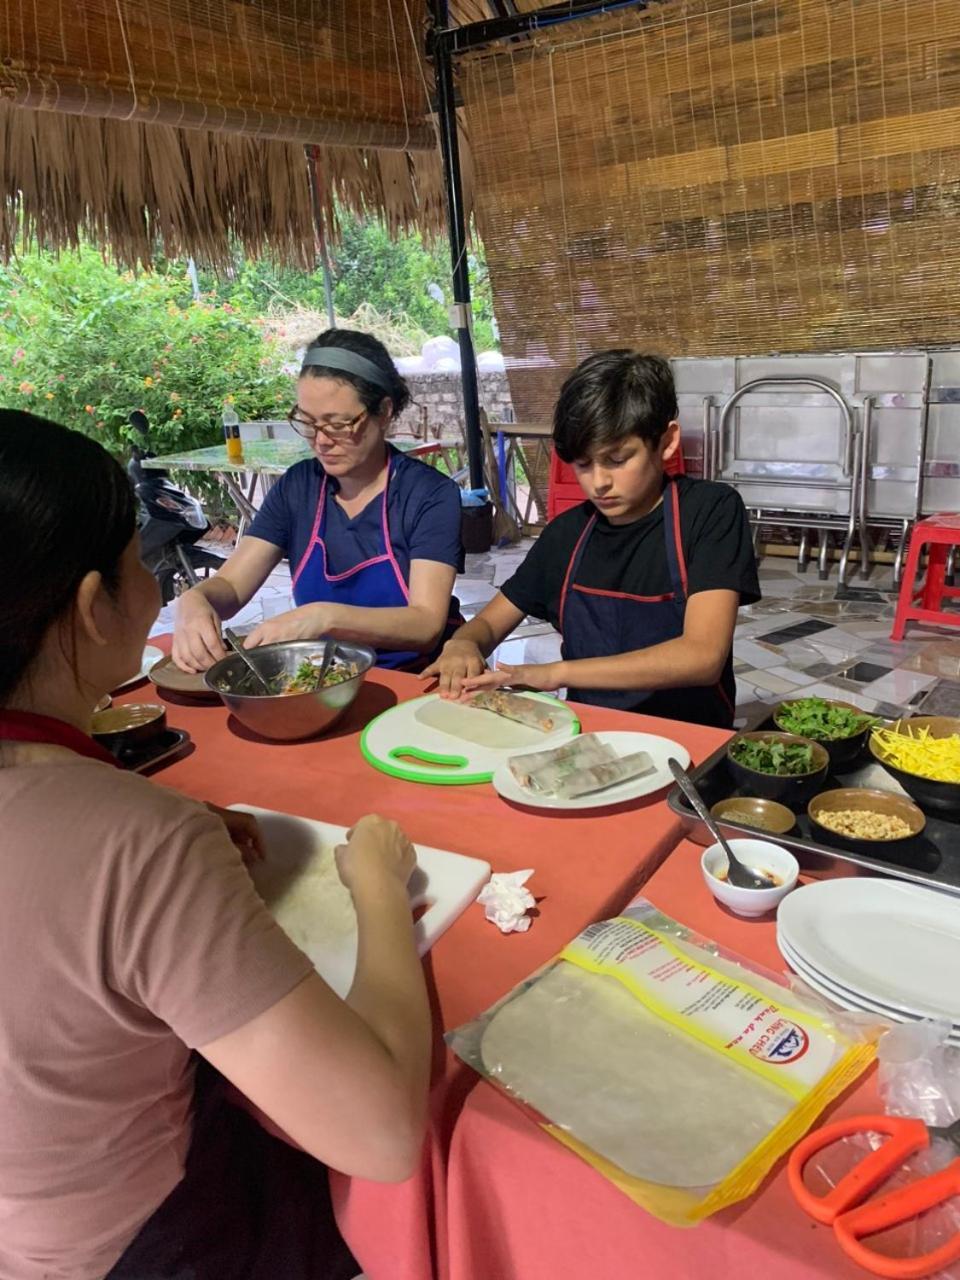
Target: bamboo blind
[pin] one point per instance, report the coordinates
(717, 178)
(334, 72)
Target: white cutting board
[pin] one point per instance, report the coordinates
(403, 742)
(319, 909)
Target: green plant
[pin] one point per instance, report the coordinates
(85, 344)
(399, 278)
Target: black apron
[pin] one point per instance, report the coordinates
(601, 624)
(249, 1207)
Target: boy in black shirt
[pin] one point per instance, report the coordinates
(643, 580)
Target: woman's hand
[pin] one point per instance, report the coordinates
(377, 850)
(541, 677)
(309, 622)
(460, 660)
(196, 633)
(244, 830)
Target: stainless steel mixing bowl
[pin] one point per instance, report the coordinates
(288, 717)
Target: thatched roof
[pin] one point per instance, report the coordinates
(130, 123)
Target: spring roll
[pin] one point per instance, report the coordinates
(543, 770)
(600, 776)
(513, 706)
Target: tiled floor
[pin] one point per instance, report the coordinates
(799, 637)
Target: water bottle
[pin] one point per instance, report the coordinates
(231, 434)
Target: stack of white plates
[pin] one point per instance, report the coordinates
(877, 946)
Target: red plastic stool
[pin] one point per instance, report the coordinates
(937, 534)
(564, 489)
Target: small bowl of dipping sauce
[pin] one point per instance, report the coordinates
(128, 725)
(762, 856)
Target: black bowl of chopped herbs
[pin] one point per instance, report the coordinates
(840, 726)
(778, 766)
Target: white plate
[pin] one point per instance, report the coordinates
(151, 654)
(893, 943)
(877, 1005)
(845, 999)
(625, 744)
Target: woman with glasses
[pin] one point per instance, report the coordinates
(372, 536)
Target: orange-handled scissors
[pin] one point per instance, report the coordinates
(843, 1206)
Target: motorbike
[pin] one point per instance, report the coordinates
(171, 521)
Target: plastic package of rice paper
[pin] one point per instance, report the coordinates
(678, 1070)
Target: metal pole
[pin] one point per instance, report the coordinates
(328, 287)
(311, 154)
(456, 226)
(476, 34)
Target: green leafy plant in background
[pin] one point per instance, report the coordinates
(399, 278)
(85, 344)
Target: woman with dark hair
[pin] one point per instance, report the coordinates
(138, 966)
(372, 536)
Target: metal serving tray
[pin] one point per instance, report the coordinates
(933, 859)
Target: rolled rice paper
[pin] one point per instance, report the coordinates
(598, 777)
(513, 706)
(550, 767)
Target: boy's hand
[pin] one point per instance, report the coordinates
(541, 677)
(459, 661)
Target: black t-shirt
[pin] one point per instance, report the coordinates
(718, 550)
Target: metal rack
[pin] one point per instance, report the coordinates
(854, 446)
(828, 494)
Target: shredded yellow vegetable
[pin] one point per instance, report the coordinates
(915, 751)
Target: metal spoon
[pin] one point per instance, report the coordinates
(740, 877)
(236, 644)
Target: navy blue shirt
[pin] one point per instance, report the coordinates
(423, 513)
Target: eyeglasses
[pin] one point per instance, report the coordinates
(333, 429)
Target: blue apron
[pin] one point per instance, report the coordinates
(600, 624)
(376, 583)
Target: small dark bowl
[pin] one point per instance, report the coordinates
(840, 750)
(790, 789)
(944, 797)
(863, 798)
(777, 819)
(132, 724)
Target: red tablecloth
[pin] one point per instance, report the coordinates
(519, 1205)
(586, 868)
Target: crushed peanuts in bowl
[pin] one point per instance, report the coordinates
(863, 824)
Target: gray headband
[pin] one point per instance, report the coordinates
(347, 362)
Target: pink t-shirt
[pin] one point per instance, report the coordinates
(130, 932)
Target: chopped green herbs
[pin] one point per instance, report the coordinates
(772, 756)
(821, 720)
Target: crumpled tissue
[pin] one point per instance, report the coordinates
(506, 901)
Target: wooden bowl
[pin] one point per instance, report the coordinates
(865, 800)
(789, 788)
(840, 750)
(758, 814)
(928, 792)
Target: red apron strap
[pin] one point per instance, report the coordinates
(27, 726)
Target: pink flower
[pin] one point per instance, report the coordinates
(19, 355)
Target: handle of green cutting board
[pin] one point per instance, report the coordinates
(428, 757)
